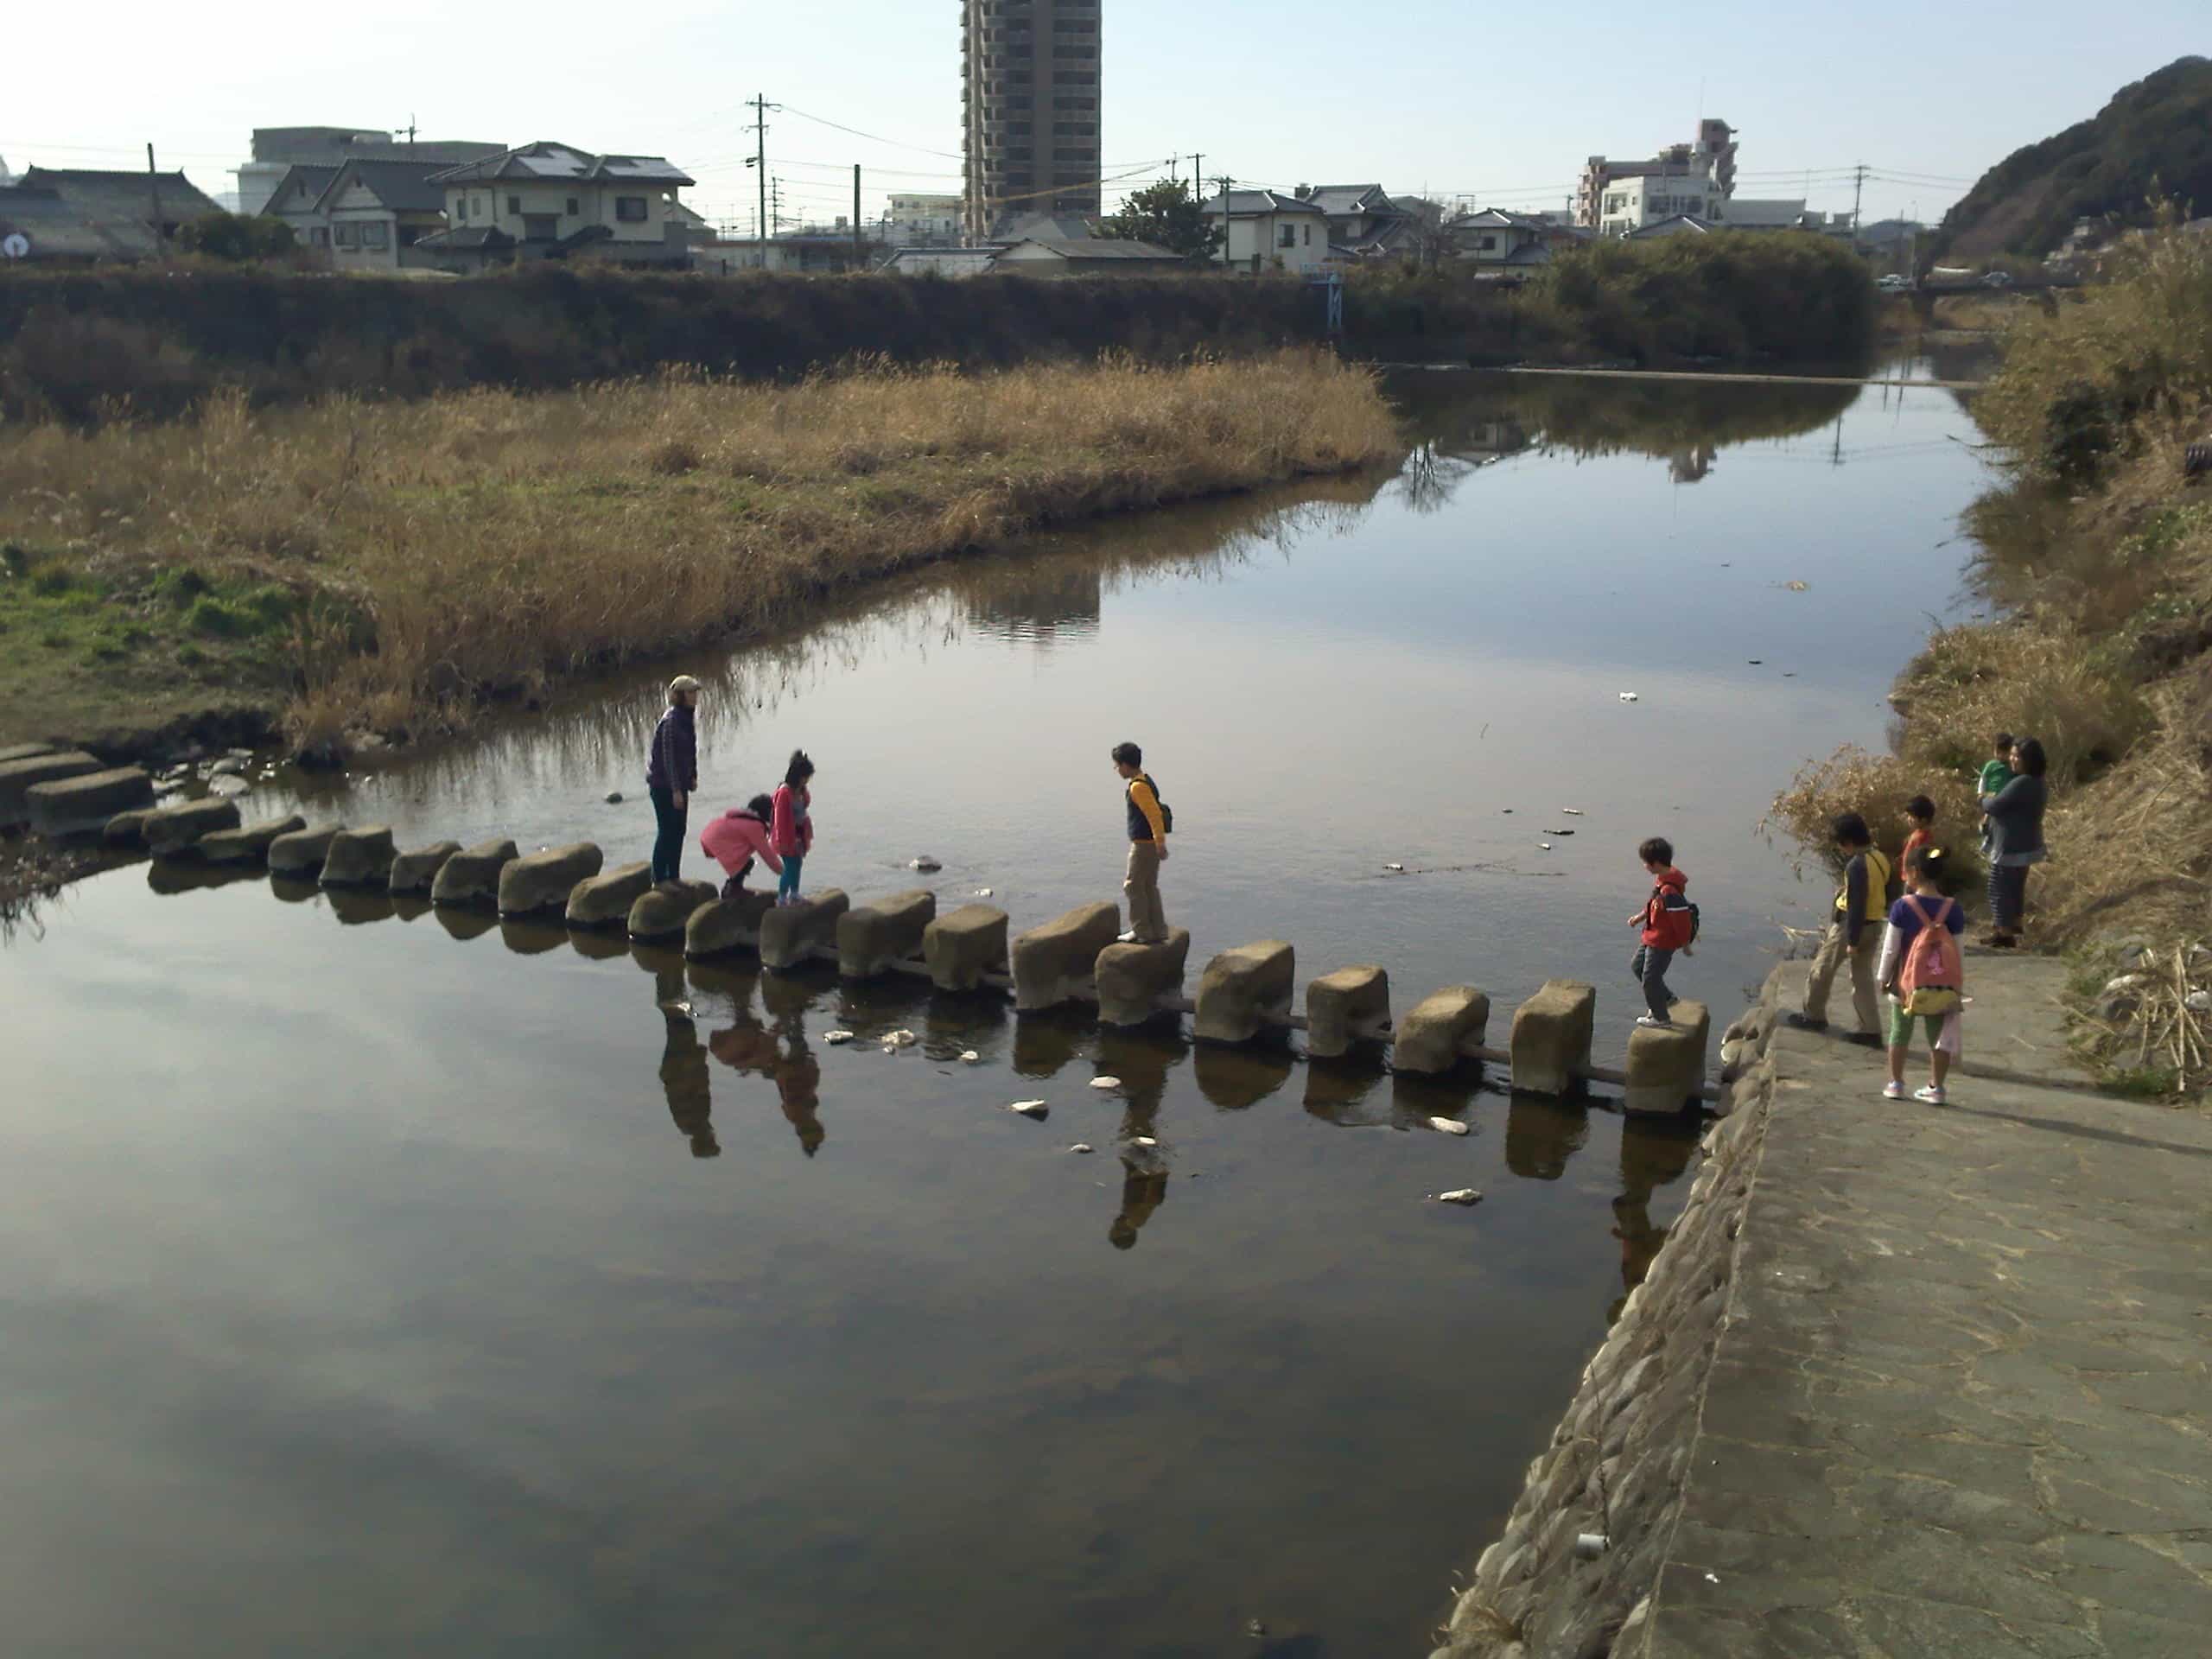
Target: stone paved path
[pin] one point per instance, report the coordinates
(1964, 1402)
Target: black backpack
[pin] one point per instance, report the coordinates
(1167, 812)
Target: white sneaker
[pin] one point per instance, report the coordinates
(1129, 938)
(1893, 1091)
(1653, 1022)
(1930, 1095)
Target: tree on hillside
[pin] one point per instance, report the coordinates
(1433, 242)
(1168, 216)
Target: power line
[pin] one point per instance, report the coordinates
(874, 138)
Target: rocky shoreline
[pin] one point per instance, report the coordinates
(1571, 1576)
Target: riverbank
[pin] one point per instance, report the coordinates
(388, 568)
(2096, 561)
(1929, 1379)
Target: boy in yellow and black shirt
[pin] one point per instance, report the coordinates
(1862, 908)
(1148, 832)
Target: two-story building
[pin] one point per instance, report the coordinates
(550, 201)
(1269, 231)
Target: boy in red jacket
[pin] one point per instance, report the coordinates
(1669, 923)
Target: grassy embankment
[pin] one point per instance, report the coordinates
(2099, 557)
(390, 567)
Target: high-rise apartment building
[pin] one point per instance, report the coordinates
(1030, 72)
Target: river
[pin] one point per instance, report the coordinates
(384, 1281)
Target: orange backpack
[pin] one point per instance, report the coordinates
(1933, 972)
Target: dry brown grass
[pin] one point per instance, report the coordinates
(484, 541)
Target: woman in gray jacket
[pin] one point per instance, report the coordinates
(2015, 840)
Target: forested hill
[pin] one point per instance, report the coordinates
(2155, 136)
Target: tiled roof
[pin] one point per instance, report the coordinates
(550, 161)
(1096, 247)
(287, 197)
(467, 237)
(1253, 204)
(1340, 199)
(122, 195)
(403, 186)
(59, 229)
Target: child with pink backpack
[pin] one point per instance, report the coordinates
(1924, 975)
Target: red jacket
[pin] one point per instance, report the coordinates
(1666, 926)
(793, 829)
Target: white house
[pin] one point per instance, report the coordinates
(1089, 256)
(552, 200)
(1269, 231)
(1493, 235)
(1629, 204)
(941, 262)
(922, 221)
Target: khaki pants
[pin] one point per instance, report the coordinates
(1146, 920)
(1863, 958)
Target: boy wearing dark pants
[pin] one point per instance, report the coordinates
(1855, 935)
(1669, 924)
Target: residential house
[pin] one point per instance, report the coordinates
(38, 226)
(277, 151)
(1493, 235)
(1640, 199)
(550, 201)
(1711, 159)
(954, 263)
(923, 221)
(1267, 230)
(1364, 221)
(1089, 256)
(812, 251)
(374, 213)
(295, 197)
(163, 199)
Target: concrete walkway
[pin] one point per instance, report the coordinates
(1962, 1403)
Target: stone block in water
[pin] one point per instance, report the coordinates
(416, 870)
(1551, 1038)
(1244, 990)
(727, 924)
(605, 900)
(1056, 962)
(1666, 1065)
(10, 752)
(1134, 980)
(18, 777)
(1440, 1030)
(541, 881)
(1349, 1006)
(472, 876)
(301, 852)
(872, 938)
(249, 843)
(660, 914)
(359, 858)
(174, 832)
(964, 946)
(791, 933)
(71, 806)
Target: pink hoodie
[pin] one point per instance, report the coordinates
(735, 836)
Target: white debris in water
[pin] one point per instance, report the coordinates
(1105, 1083)
(1546, 845)
(1797, 587)
(1459, 1195)
(1036, 1109)
(1080, 1146)
(1142, 1140)
(1572, 811)
(1628, 696)
(834, 1038)
(1447, 1126)
(901, 1038)
(982, 893)
(970, 1057)
(924, 863)
(1397, 869)
(683, 1008)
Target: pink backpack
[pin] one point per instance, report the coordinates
(1931, 961)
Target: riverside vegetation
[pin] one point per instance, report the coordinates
(389, 567)
(2098, 554)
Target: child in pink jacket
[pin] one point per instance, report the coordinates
(792, 830)
(738, 837)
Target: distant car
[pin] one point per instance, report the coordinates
(1892, 282)
(1997, 279)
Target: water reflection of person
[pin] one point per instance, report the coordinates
(798, 1086)
(1653, 1155)
(1144, 1189)
(683, 1080)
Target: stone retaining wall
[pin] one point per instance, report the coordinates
(1571, 1576)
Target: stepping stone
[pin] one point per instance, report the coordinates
(604, 900)
(173, 831)
(791, 933)
(1058, 962)
(1134, 980)
(965, 946)
(472, 877)
(72, 806)
(874, 938)
(300, 854)
(359, 858)
(414, 872)
(12, 752)
(1243, 991)
(1349, 1006)
(1440, 1030)
(128, 830)
(17, 777)
(663, 913)
(1666, 1065)
(250, 843)
(727, 924)
(543, 881)
(1551, 1038)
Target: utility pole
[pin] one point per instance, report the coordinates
(775, 206)
(1226, 221)
(410, 127)
(1858, 184)
(154, 192)
(1198, 173)
(858, 260)
(759, 162)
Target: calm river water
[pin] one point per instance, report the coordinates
(383, 1282)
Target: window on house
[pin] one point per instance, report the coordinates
(461, 210)
(1287, 237)
(342, 235)
(631, 210)
(1309, 236)
(375, 238)
(320, 236)
(575, 208)
(514, 204)
(1489, 244)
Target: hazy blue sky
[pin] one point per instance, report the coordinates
(1502, 104)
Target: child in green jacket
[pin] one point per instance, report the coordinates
(1995, 774)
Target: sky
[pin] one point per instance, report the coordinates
(1437, 97)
